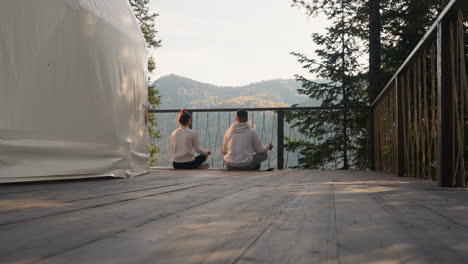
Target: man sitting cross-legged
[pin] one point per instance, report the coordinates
(242, 149)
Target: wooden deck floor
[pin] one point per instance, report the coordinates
(235, 217)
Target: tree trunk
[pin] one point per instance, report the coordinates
(343, 87)
(375, 49)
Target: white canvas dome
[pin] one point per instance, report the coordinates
(73, 90)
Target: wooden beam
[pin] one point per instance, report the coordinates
(371, 133)
(400, 153)
(445, 115)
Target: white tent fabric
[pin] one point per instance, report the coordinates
(73, 90)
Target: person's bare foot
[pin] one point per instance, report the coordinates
(204, 166)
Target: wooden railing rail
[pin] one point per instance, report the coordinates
(419, 118)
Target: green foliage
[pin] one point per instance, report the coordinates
(339, 135)
(146, 20)
(404, 22)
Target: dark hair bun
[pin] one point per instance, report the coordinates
(184, 117)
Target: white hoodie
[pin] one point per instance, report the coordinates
(240, 144)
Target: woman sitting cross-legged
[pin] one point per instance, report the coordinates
(184, 142)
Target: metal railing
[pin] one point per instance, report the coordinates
(419, 119)
(270, 123)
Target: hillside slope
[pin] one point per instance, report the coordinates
(178, 92)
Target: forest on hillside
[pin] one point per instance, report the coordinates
(181, 92)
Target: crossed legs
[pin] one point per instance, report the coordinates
(257, 160)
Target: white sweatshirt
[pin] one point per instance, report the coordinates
(183, 142)
(240, 144)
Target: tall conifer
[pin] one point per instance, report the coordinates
(146, 20)
(339, 134)
(387, 30)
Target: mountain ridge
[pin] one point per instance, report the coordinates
(182, 92)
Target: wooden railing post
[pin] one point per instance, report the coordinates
(444, 153)
(280, 134)
(400, 153)
(372, 139)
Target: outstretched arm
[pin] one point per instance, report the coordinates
(258, 147)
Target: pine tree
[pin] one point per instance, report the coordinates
(340, 135)
(146, 20)
(368, 16)
(375, 48)
(388, 30)
(404, 24)
(391, 29)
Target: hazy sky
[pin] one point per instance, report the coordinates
(232, 42)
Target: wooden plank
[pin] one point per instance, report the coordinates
(214, 233)
(406, 220)
(438, 238)
(304, 233)
(53, 207)
(75, 193)
(66, 231)
(30, 187)
(363, 226)
(257, 217)
(72, 193)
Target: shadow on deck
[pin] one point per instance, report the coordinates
(212, 216)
